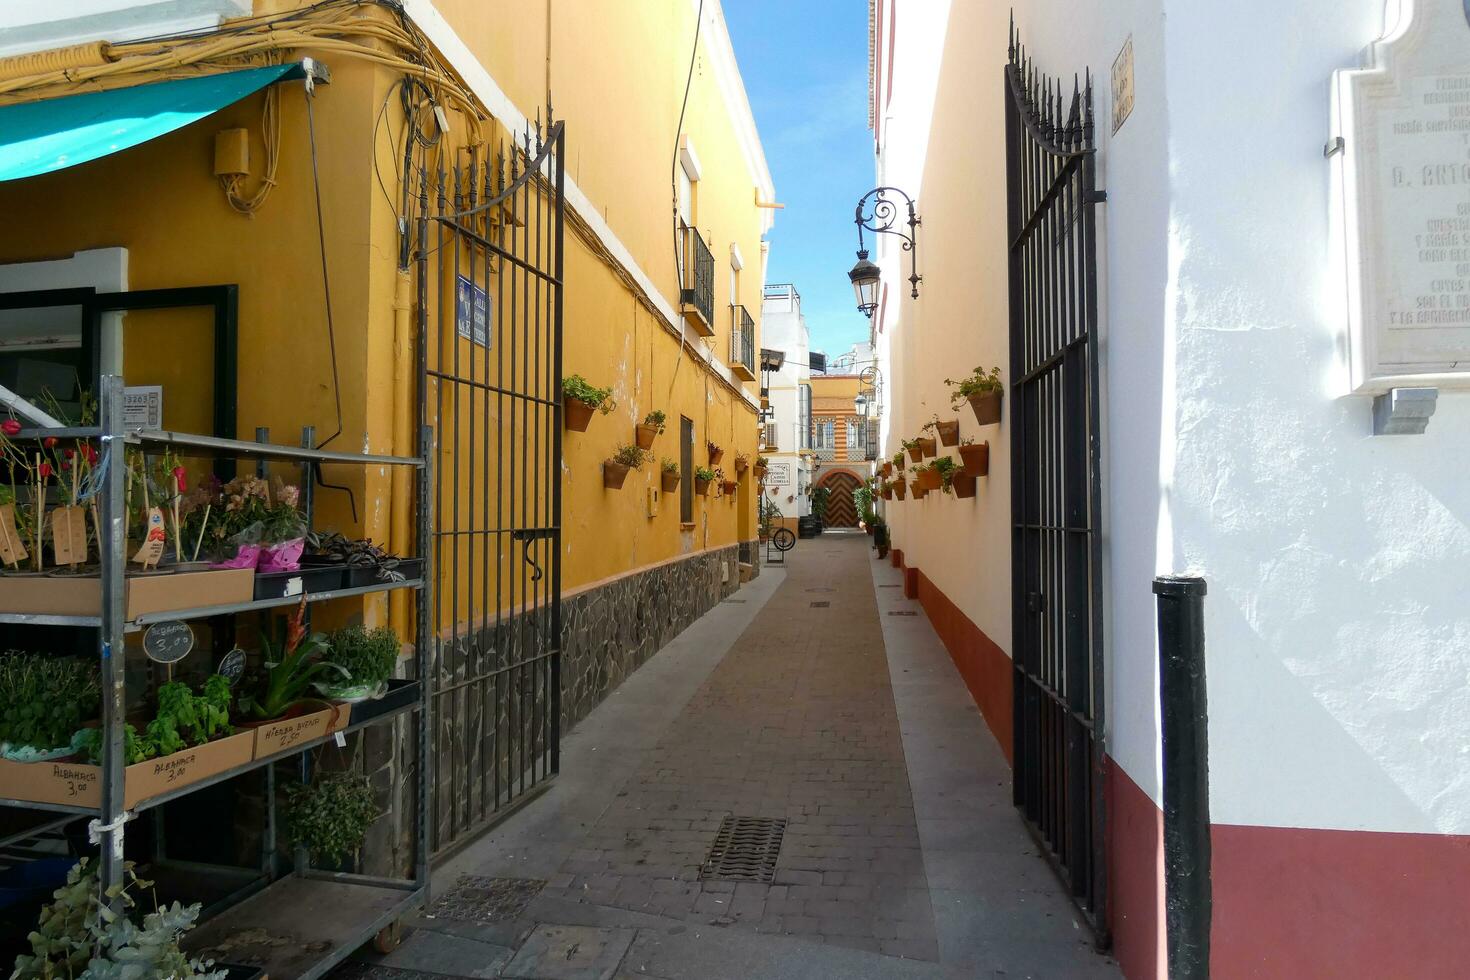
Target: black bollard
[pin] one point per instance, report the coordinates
(1184, 720)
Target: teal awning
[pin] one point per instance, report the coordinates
(39, 137)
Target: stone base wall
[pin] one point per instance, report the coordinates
(611, 630)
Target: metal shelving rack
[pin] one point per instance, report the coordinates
(328, 914)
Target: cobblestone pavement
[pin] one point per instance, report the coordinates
(796, 723)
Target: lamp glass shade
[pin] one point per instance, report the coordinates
(865, 277)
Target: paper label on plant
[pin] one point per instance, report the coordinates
(12, 549)
(153, 541)
(69, 535)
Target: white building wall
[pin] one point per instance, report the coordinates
(783, 328)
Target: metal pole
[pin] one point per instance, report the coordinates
(423, 663)
(113, 553)
(1185, 737)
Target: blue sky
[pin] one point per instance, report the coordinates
(805, 65)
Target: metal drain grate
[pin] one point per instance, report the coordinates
(902, 612)
(891, 586)
(745, 849)
(821, 588)
(734, 600)
(476, 898)
(821, 605)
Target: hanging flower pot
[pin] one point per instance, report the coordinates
(986, 405)
(730, 486)
(887, 491)
(887, 469)
(742, 462)
(929, 479)
(963, 484)
(760, 471)
(701, 485)
(928, 447)
(614, 474)
(670, 481)
(976, 457)
(920, 491)
(715, 453)
(900, 487)
(949, 432)
(645, 434)
(578, 414)
(915, 451)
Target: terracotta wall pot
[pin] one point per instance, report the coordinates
(760, 472)
(577, 413)
(741, 465)
(730, 487)
(964, 484)
(613, 474)
(916, 454)
(715, 455)
(929, 480)
(701, 486)
(645, 435)
(920, 492)
(949, 432)
(670, 482)
(887, 493)
(887, 469)
(987, 407)
(928, 447)
(900, 488)
(976, 459)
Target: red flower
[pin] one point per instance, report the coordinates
(181, 475)
(68, 453)
(49, 442)
(44, 470)
(89, 452)
(10, 427)
(66, 466)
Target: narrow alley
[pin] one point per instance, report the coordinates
(818, 703)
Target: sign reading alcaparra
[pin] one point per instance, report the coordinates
(1403, 171)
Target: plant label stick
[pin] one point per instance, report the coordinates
(12, 549)
(69, 535)
(153, 540)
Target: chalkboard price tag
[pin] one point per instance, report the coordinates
(232, 667)
(168, 642)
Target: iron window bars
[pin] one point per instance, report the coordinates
(699, 275)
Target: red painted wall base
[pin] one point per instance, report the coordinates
(895, 558)
(981, 662)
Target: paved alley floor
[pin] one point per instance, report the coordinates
(826, 749)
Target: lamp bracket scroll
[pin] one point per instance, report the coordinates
(878, 212)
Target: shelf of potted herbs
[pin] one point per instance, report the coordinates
(99, 529)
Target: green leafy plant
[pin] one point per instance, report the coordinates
(365, 656)
(762, 461)
(292, 665)
(898, 458)
(656, 418)
(932, 425)
(183, 719)
(979, 382)
(331, 817)
(705, 473)
(819, 497)
(947, 468)
(78, 936)
(578, 387)
(44, 699)
(670, 465)
(910, 444)
(135, 748)
(631, 456)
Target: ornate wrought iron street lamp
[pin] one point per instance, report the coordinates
(877, 213)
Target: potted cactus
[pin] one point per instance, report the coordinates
(580, 399)
(976, 457)
(650, 428)
(983, 390)
(615, 468)
(669, 475)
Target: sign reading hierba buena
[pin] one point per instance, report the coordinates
(1403, 172)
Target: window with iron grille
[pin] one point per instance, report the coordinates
(699, 275)
(804, 420)
(686, 470)
(742, 338)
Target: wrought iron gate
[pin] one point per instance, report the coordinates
(489, 263)
(1055, 489)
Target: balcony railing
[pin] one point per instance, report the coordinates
(742, 343)
(697, 294)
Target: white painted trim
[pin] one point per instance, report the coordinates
(688, 159)
(716, 41)
(454, 51)
(737, 261)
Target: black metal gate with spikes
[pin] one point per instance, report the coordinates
(489, 263)
(1055, 474)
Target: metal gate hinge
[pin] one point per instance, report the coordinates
(1097, 197)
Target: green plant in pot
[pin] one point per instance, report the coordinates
(44, 700)
(651, 428)
(77, 936)
(983, 390)
(615, 469)
(331, 816)
(581, 399)
(366, 657)
(670, 475)
(945, 467)
(293, 664)
(703, 477)
(819, 497)
(182, 719)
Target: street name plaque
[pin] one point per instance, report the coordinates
(1403, 183)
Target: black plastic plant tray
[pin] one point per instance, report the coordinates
(274, 585)
(400, 693)
(361, 576)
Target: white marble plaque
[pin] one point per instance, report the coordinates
(1403, 176)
